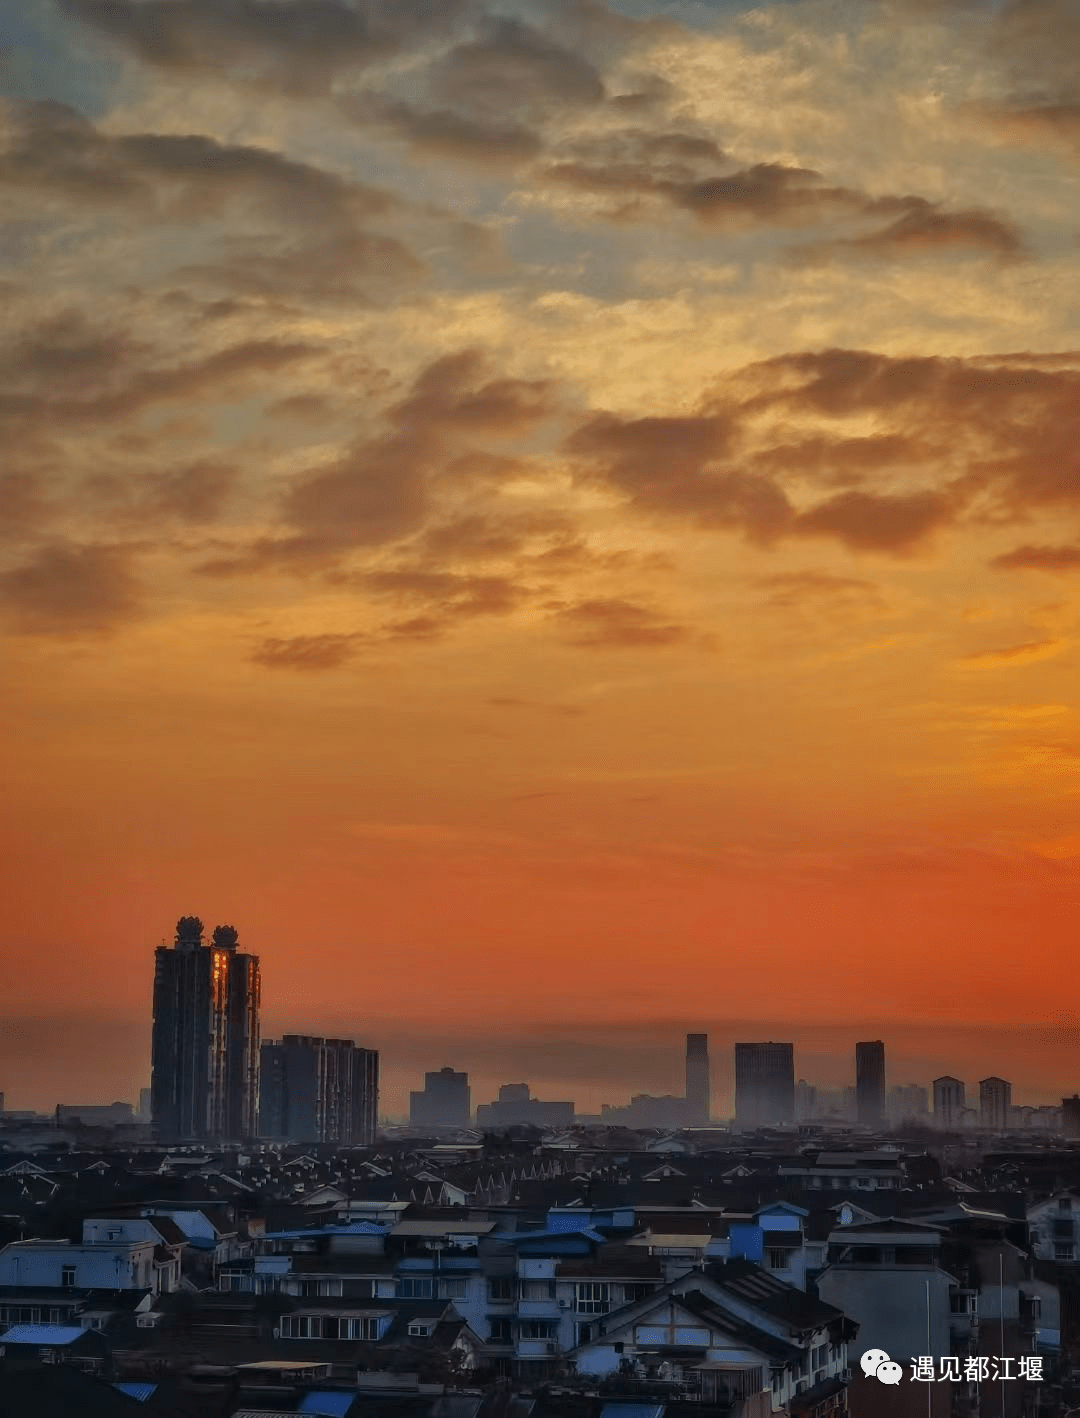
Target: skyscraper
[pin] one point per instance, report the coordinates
(318, 1090)
(995, 1101)
(764, 1084)
(697, 1080)
(445, 1101)
(870, 1083)
(950, 1098)
(204, 1081)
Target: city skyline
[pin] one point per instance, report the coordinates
(548, 494)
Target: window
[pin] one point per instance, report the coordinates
(779, 1258)
(819, 1356)
(633, 1293)
(501, 1289)
(453, 1289)
(421, 1329)
(1064, 1203)
(67, 1277)
(502, 1331)
(584, 1333)
(536, 1329)
(592, 1298)
(1063, 1252)
(538, 1289)
(414, 1287)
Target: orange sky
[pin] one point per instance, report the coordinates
(558, 521)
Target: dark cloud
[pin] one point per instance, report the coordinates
(926, 228)
(640, 171)
(1039, 558)
(443, 134)
(483, 537)
(53, 149)
(307, 653)
(196, 493)
(670, 466)
(612, 624)
(295, 46)
(877, 522)
(513, 68)
(71, 590)
(840, 460)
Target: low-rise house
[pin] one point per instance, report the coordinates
(85, 1349)
(1054, 1228)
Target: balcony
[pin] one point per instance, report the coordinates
(538, 1310)
(536, 1348)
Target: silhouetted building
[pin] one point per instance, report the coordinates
(515, 1105)
(950, 1100)
(697, 1080)
(870, 1083)
(646, 1111)
(1070, 1115)
(995, 1102)
(909, 1103)
(319, 1090)
(445, 1101)
(205, 1077)
(764, 1084)
(95, 1114)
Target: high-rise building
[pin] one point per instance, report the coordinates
(204, 1081)
(950, 1100)
(444, 1102)
(909, 1103)
(697, 1080)
(764, 1084)
(1070, 1115)
(318, 1090)
(870, 1083)
(995, 1101)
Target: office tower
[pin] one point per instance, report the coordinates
(1070, 1115)
(764, 1084)
(145, 1111)
(318, 1090)
(870, 1083)
(697, 1080)
(995, 1100)
(949, 1102)
(445, 1101)
(204, 1081)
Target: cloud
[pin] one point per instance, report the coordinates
(307, 654)
(926, 229)
(295, 46)
(613, 624)
(52, 148)
(443, 134)
(1028, 653)
(877, 522)
(795, 588)
(66, 589)
(1039, 558)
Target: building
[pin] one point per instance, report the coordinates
(764, 1084)
(950, 1100)
(1054, 1228)
(95, 1114)
(697, 1080)
(318, 1090)
(516, 1106)
(205, 1067)
(1070, 1115)
(647, 1112)
(995, 1103)
(145, 1113)
(444, 1102)
(909, 1103)
(870, 1083)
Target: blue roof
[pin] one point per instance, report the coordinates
(520, 1238)
(557, 1221)
(42, 1334)
(140, 1391)
(326, 1404)
(352, 1228)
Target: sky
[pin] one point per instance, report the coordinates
(559, 520)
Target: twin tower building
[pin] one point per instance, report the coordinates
(213, 1079)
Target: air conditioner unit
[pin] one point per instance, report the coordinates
(565, 1305)
(844, 1376)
